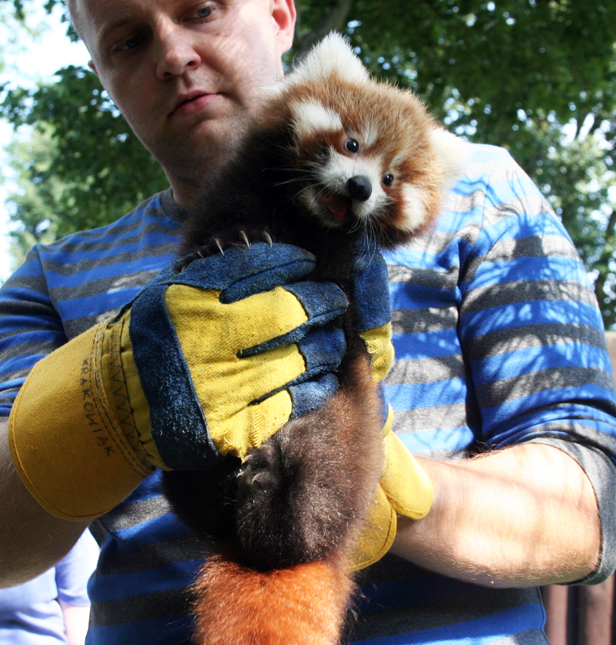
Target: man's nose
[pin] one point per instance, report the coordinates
(174, 52)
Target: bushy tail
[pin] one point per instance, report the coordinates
(302, 605)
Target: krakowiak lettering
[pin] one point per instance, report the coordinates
(90, 411)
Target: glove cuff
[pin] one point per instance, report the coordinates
(63, 432)
(119, 378)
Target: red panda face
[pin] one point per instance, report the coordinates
(366, 152)
(348, 180)
(363, 167)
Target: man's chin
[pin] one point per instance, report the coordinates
(207, 142)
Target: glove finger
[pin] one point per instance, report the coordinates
(322, 302)
(236, 431)
(311, 395)
(243, 271)
(405, 482)
(322, 351)
(370, 289)
(377, 534)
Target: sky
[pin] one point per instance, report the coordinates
(37, 59)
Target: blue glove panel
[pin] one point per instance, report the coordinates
(370, 288)
(179, 427)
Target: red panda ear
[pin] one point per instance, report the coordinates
(452, 151)
(333, 55)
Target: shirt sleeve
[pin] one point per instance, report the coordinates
(534, 342)
(75, 569)
(30, 327)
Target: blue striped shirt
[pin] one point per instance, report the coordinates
(498, 341)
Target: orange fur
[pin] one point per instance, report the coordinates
(302, 605)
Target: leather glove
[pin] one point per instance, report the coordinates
(212, 360)
(405, 487)
(372, 314)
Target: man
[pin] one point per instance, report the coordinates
(53, 608)
(498, 346)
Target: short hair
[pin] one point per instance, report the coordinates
(75, 16)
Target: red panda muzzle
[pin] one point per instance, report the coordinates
(337, 205)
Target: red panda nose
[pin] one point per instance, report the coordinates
(359, 188)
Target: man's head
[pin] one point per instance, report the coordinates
(186, 75)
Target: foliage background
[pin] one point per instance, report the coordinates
(535, 76)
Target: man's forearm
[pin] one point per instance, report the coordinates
(519, 517)
(31, 540)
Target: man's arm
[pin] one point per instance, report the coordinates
(76, 620)
(523, 516)
(31, 540)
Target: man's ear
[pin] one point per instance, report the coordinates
(92, 66)
(283, 13)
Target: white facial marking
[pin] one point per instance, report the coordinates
(371, 135)
(340, 168)
(312, 116)
(414, 209)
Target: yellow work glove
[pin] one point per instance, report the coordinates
(371, 309)
(405, 487)
(211, 360)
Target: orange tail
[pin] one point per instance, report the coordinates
(302, 605)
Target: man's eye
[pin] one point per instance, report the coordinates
(203, 12)
(128, 44)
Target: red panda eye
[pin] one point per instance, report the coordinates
(388, 180)
(351, 145)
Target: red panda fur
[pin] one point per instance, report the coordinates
(303, 604)
(281, 575)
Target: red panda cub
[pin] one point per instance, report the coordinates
(333, 157)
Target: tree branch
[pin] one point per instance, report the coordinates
(334, 20)
(604, 258)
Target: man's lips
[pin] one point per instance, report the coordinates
(192, 103)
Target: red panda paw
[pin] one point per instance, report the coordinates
(302, 605)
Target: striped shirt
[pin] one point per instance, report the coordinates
(498, 341)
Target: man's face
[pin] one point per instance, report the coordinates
(187, 75)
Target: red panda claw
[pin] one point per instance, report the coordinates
(245, 238)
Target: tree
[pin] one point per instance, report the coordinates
(102, 167)
(536, 76)
(34, 205)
